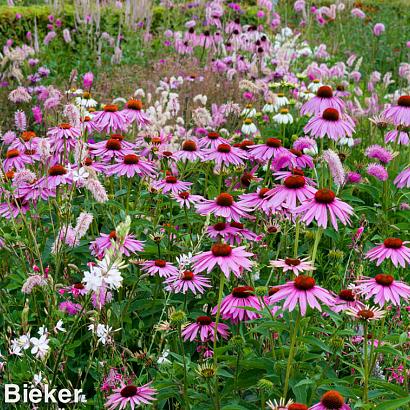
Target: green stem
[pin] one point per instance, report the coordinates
(296, 244)
(316, 244)
(291, 355)
(366, 365)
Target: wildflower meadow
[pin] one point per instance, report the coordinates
(205, 204)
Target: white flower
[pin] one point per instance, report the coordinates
(86, 102)
(184, 260)
(248, 112)
(59, 327)
(163, 359)
(93, 279)
(314, 86)
(249, 127)
(110, 272)
(280, 101)
(102, 332)
(40, 346)
(268, 108)
(283, 117)
(80, 175)
(17, 345)
(349, 141)
(37, 379)
(42, 331)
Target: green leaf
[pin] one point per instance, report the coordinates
(393, 404)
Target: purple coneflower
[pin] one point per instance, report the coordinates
(403, 179)
(64, 137)
(189, 152)
(159, 267)
(366, 313)
(57, 175)
(297, 266)
(225, 206)
(104, 242)
(129, 165)
(393, 249)
(231, 306)
(133, 113)
(171, 184)
(324, 202)
(331, 400)
(257, 200)
(301, 160)
(241, 233)
(187, 280)
(324, 99)
(384, 288)
(212, 140)
(302, 290)
(15, 159)
(329, 124)
(399, 114)
(398, 136)
(14, 208)
(220, 229)
(346, 299)
(110, 119)
(266, 151)
(225, 154)
(228, 259)
(204, 328)
(132, 395)
(108, 149)
(186, 199)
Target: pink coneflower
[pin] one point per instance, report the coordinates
(15, 159)
(380, 153)
(111, 148)
(403, 179)
(14, 208)
(204, 328)
(96, 166)
(159, 267)
(225, 154)
(212, 140)
(134, 113)
(171, 184)
(324, 99)
(131, 164)
(264, 152)
(64, 137)
(220, 229)
(32, 191)
(228, 259)
(257, 200)
(297, 266)
(324, 202)
(378, 171)
(57, 175)
(189, 152)
(398, 136)
(301, 160)
(366, 313)
(186, 199)
(110, 120)
(132, 395)
(233, 304)
(293, 190)
(241, 234)
(103, 242)
(384, 288)
(393, 249)
(187, 280)
(225, 206)
(399, 114)
(346, 299)
(329, 124)
(331, 400)
(302, 290)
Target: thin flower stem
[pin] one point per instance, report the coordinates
(291, 355)
(316, 244)
(366, 365)
(296, 244)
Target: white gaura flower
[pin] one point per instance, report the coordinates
(249, 127)
(19, 344)
(93, 278)
(163, 359)
(37, 378)
(103, 332)
(59, 327)
(110, 271)
(40, 346)
(349, 141)
(80, 175)
(283, 117)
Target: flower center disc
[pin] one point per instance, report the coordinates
(188, 275)
(113, 144)
(134, 105)
(203, 320)
(224, 199)
(325, 196)
(27, 135)
(365, 314)
(118, 137)
(297, 406)
(325, 92)
(332, 400)
(273, 143)
(347, 295)
(171, 180)
(220, 226)
(57, 170)
(384, 280)
(404, 101)
(292, 261)
(273, 290)
(393, 243)
(263, 192)
(111, 108)
(296, 152)
(64, 126)
(12, 153)
(213, 135)
(294, 182)
(160, 263)
(184, 195)
(236, 225)
(224, 148)
(129, 391)
(113, 235)
(303, 282)
(221, 249)
(242, 291)
(189, 145)
(330, 114)
(131, 159)
(245, 144)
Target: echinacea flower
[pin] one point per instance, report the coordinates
(130, 165)
(129, 394)
(256, 200)
(186, 199)
(64, 137)
(266, 151)
(366, 313)
(330, 124)
(399, 114)
(104, 242)
(225, 206)
(331, 400)
(293, 190)
(403, 179)
(15, 160)
(324, 99)
(134, 113)
(204, 328)
(398, 136)
(187, 280)
(171, 184)
(324, 202)
(220, 229)
(295, 265)
(111, 148)
(393, 249)
(303, 291)
(233, 304)
(189, 151)
(384, 288)
(228, 259)
(57, 175)
(159, 267)
(346, 299)
(212, 140)
(110, 120)
(225, 155)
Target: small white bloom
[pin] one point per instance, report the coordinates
(40, 346)
(59, 327)
(249, 127)
(163, 359)
(283, 117)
